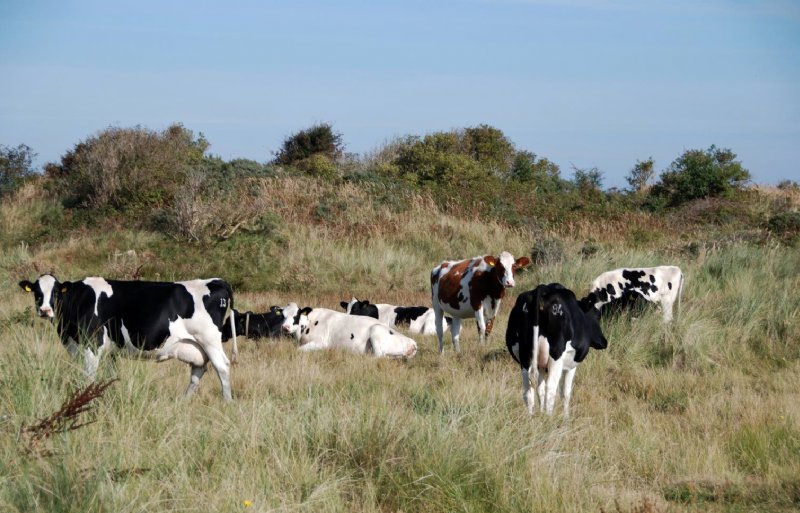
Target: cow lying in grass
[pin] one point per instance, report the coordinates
(320, 328)
(662, 285)
(417, 319)
(161, 320)
(256, 325)
(549, 334)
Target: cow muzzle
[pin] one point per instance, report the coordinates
(509, 284)
(46, 311)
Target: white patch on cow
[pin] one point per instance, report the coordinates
(507, 259)
(46, 284)
(100, 286)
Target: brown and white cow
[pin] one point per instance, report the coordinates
(471, 288)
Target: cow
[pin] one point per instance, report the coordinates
(161, 320)
(550, 332)
(256, 325)
(320, 328)
(662, 285)
(419, 319)
(471, 288)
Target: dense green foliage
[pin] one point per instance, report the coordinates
(16, 166)
(701, 174)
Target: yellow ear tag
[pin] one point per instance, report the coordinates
(63, 289)
(27, 288)
(279, 311)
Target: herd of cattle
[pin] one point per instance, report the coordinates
(549, 330)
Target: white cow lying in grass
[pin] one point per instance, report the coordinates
(320, 328)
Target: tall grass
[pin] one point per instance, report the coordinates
(702, 415)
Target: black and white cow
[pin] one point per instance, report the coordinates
(418, 319)
(256, 325)
(662, 285)
(320, 328)
(550, 334)
(160, 320)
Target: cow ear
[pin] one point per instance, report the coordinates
(343, 304)
(26, 286)
(305, 311)
(364, 303)
(65, 287)
(522, 262)
(490, 260)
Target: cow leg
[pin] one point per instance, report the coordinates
(566, 392)
(541, 388)
(194, 379)
(481, 322)
(438, 315)
(455, 332)
(554, 370)
(91, 359)
(313, 346)
(527, 391)
(666, 311)
(222, 365)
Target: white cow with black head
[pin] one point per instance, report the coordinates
(320, 328)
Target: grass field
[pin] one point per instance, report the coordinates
(702, 416)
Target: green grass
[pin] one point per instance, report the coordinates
(700, 416)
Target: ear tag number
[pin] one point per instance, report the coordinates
(557, 310)
(223, 303)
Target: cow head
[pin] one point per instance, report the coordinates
(295, 319)
(504, 266)
(347, 306)
(46, 292)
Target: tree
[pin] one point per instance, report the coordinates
(16, 165)
(489, 147)
(587, 180)
(542, 173)
(317, 140)
(641, 174)
(701, 174)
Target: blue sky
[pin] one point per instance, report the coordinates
(585, 83)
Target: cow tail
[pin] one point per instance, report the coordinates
(680, 293)
(232, 320)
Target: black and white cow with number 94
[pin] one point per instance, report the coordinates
(161, 320)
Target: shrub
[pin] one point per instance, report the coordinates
(701, 174)
(318, 165)
(127, 168)
(547, 251)
(317, 140)
(15, 167)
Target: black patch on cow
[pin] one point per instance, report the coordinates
(630, 302)
(669, 285)
(652, 278)
(352, 336)
(391, 332)
(611, 290)
(405, 314)
(316, 322)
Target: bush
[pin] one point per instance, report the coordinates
(785, 225)
(15, 167)
(318, 165)
(317, 140)
(547, 251)
(701, 174)
(126, 169)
